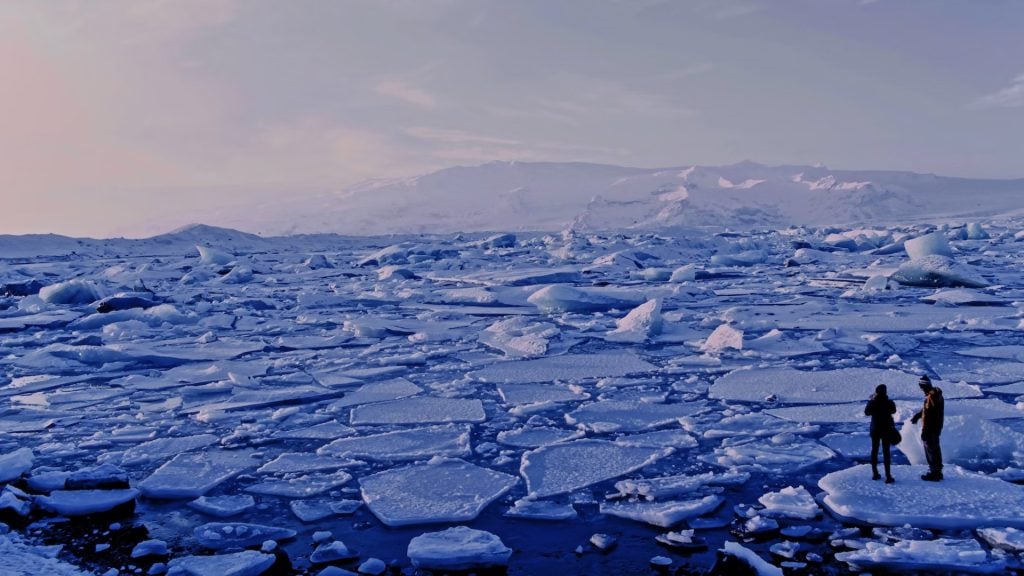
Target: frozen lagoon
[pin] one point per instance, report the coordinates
(288, 394)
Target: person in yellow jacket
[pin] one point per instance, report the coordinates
(931, 417)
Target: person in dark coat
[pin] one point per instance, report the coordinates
(932, 416)
(881, 409)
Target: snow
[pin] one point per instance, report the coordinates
(442, 490)
(963, 499)
(457, 548)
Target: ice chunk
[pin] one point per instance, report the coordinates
(518, 337)
(962, 500)
(559, 298)
(223, 535)
(150, 548)
(641, 324)
(562, 468)
(421, 410)
(938, 271)
(569, 367)
(526, 394)
(223, 506)
(759, 424)
(541, 510)
(1010, 539)
(760, 566)
(86, 502)
(534, 436)
(213, 256)
(300, 486)
(659, 439)
(967, 439)
(376, 392)
(791, 386)
(669, 486)
(790, 502)
(928, 245)
(664, 514)
(165, 448)
(686, 273)
(71, 292)
(723, 338)
(294, 462)
(437, 491)
(192, 475)
(457, 548)
(415, 444)
(629, 416)
(245, 563)
(963, 297)
(925, 556)
(331, 552)
(745, 258)
(776, 458)
(14, 464)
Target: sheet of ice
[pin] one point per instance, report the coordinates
(418, 443)
(322, 431)
(629, 416)
(963, 297)
(517, 277)
(441, 490)
(664, 514)
(925, 556)
(298, 462)
(224, 535)
(570, 367)
(161, 448)
(1004, 352)
(535, 436)
(569, 466)
(419, 410)
(518, 337)
(790, 386)
(678, 439)
(785, 458)
(267, 397)
(790, 502)
(854, 445)
(194, 474)
(756, 424)
(302, 486)
(86, 502)
(524, 394)
(979, 371)
(640, 325)
(962, 499)
(224, 506)
(14, 464)
(457, 548)
(540, 510)
(775, 343)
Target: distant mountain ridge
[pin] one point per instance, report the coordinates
(547, 196)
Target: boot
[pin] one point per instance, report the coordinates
(875, 475)
(889, 479)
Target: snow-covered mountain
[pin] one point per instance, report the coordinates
(511, 196)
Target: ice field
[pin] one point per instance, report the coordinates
(209, 402)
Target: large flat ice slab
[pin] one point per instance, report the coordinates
(962, 500)
(570, 367)
(436, 491)
(415, 444)
(194, 474)
(245, 563)
(86, 502)
(562, 468)
(944, 555)
(790, 386)
(629, 416)
(420, 410)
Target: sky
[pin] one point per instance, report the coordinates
(131, 117)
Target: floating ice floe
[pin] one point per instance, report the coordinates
(194, 474)
(569, 466)
(784, 458)
(540, 510)
(790, 502)
(790, 386)
(419, 410)
(640, 325)
(678, 439)
(224, 535)
(376, 392)
(924, 556)
(967, 440)
(775, 343)
(757, 424)
(665, 514)
(535, 436)
(457, 548)
(86, 502)
(962, 499)
(670, 486)
(760, 566)
(1010, 539)
(415, 444)
(294, 462)
(223, 506)
(441, 490)
(245, 563)
(570, 367)
(629, 416)
(162, 448)
(300, 486)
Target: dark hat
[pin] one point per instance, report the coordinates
(881, 390)
(925, 382)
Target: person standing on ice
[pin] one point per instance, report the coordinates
(881, 409)
(931, 417)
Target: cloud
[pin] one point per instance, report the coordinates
(1010, 97)
(456, 136)
(405, 92)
